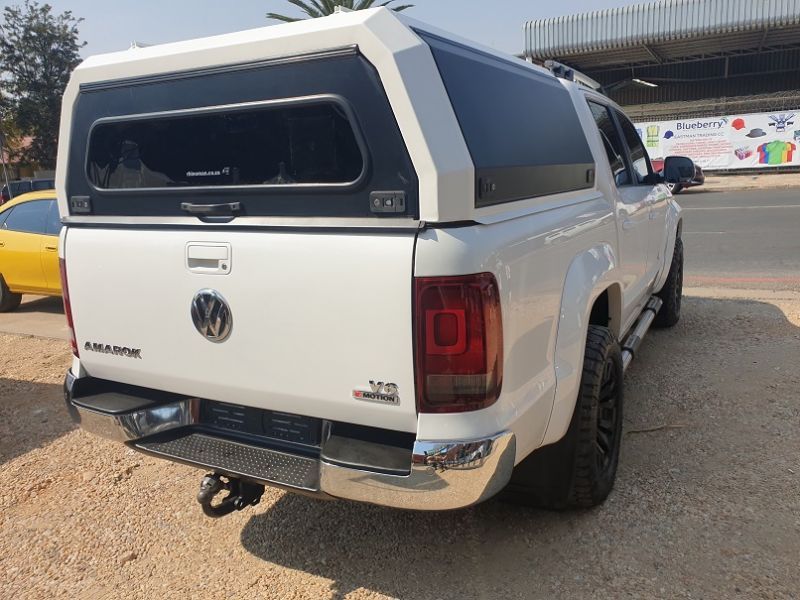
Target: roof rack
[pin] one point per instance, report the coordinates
(563, 71)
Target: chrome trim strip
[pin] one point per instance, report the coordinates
(444, 476)
(132, 426)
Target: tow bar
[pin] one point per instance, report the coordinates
(241, 494)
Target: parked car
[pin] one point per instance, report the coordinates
(698, 179)
(29, 227)
(23, 186)
(320, 257)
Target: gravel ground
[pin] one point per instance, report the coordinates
(707, 503)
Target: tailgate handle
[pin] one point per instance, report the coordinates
(211, 209)
(208, 258)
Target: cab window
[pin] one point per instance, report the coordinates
(30, 217)
(612, 142)
(639, 158)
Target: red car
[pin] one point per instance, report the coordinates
(676, 188)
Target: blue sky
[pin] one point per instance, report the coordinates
(111, 26)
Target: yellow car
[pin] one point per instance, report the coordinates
(29, 228)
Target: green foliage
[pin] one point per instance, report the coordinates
(322, 8)
(38, 51)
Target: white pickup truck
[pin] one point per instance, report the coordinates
(357, 257)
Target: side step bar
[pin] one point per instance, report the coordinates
(635, 337)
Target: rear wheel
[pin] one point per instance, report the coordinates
(579, 471)
(8, 300)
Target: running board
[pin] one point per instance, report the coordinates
(635, 337)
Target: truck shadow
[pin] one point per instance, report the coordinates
(32, 415)
(674, 449)
(50, 305)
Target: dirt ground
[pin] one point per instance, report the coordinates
(707, 503)
(765, 181)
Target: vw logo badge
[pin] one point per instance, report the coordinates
(212, 315)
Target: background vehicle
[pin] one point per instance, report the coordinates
(367, 265)
(23, 186)
(29, 227)
(698, 179)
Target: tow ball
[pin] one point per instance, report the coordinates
(241, 494)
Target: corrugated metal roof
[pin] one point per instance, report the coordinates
(654, 23)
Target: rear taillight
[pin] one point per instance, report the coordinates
(459, 342)
(62, 265)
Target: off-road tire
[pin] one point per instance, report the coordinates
(672, 292)
(574, 472)
(8, 300)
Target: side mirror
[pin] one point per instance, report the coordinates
(678, 169)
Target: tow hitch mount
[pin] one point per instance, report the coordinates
(241, 494)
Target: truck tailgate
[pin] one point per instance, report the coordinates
(316, 317)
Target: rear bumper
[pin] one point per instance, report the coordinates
(441, 475)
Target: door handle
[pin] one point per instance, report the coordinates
(51, 248)
(2, 244)
(627, 224)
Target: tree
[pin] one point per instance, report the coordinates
(38, 51)
(322, 8)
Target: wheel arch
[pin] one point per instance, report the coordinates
(674, 230)
(591, 292)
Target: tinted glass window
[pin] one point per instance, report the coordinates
(639, 158)
(53, 226)
(268, 145)
(4, 216)
(520, 125)
(615, 150)
(29, 217)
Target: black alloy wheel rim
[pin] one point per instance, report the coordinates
(607, 417)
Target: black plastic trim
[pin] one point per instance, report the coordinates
(346, 74)
(508, 184)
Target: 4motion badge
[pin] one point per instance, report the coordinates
(383, 393)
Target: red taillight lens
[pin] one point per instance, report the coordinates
(62, 265)
(459, 342)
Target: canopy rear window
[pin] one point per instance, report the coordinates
(283, 144)
(300, 136)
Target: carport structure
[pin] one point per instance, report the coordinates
(682, 58)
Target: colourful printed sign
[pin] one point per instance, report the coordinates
(734, 142)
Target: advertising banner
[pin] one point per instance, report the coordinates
(736, 142)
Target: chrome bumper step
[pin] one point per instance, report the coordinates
(430, 475)
(226, 456)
